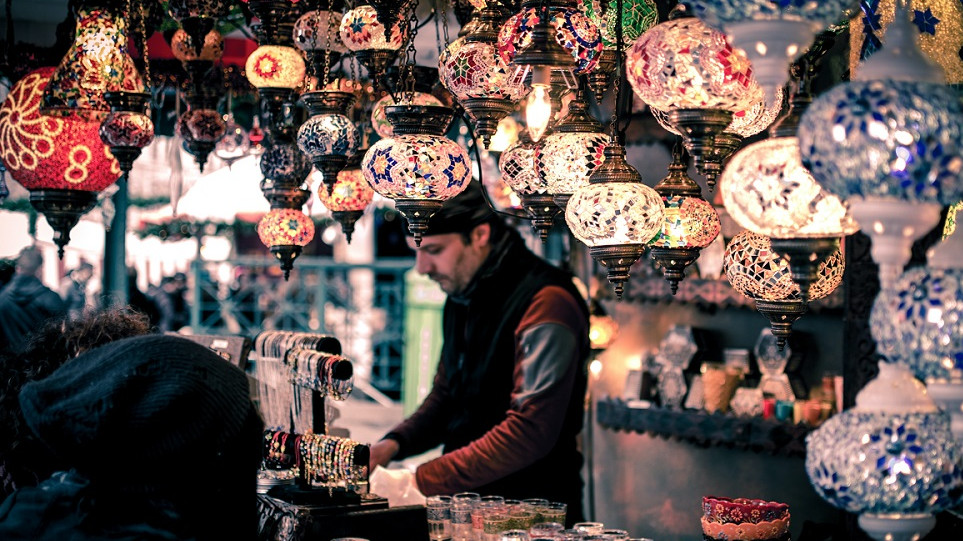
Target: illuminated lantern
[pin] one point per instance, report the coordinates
(285, 232)
(184, 50)
(349, 196)
(61, 160)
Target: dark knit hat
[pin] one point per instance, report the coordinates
(139, 409)
(461, 213)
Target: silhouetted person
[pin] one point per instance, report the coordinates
(140, 302)
(25, 303)
(75, 294)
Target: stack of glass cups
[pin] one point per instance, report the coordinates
(461, 507)
(439, 517)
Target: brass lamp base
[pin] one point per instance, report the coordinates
(417, 119)
(417, 212)
(487, 113)
(62, 209)
(542, 210)
(286, 254)
(284, 197)
(347, 219)
(781, 315)
(805, 255)
(601, 77)
(617, 259)
(322, 102)
(699, 128)
(723, 146)
(376, 61)
(125, 157)
(674, 262)
(330, 165)
(561, 200)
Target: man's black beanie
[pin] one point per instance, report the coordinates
(461, 213)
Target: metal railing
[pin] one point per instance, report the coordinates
(360, 304)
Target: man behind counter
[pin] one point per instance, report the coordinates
(507, 400)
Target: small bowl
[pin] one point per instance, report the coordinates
(742, 510)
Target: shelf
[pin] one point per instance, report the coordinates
(706, 429)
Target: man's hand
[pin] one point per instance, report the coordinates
(382, 453)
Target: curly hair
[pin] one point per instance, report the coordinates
(23, 459)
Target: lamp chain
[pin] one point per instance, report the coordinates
(444, 22)
(327, 45)
(441, 48)
(408, 88)
(619, 53)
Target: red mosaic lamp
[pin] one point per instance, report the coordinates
(350, 195)
(285, 232)
(60, 160)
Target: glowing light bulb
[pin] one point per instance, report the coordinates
(538, 111)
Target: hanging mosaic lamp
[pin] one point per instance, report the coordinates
(419, 168)
(476, 75)
(567, 157)
(328, 137)
(185, 50)
(772, 34)
(373, 44)
(128, 127)
(615, 215)
(517, 165)
(197, 18)
(276, 69)
(285, 169)
(349, 197)
(637, 17)
(766, 189)
(60, 160)
(890, 143)
(97, 62)
(235, 144)
(891, 459)
(667, 71)
(317, 34)
(690, 224)
(200, 128)
(285, 231)
(757, 272)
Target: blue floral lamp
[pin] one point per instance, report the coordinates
(890, 459)
(891, 144)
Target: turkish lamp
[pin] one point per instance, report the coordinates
(185, 49)
(276, 71)
(285, 231)
(128, 127)
(373, 43)
(473, 71)
(666, 70)
(890, 459)
(637, 17)
(235, 144)
(97, 62)
(891, 146)
(918, 321)
(517, 165)
(568, 157)
(756, 271)
(379, 119)
(317, 33)
(197, 18)
(615, 215)
(419, 168)
(348, 198)
(690, 223)
(328, 136)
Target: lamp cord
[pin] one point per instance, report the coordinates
(618, 133)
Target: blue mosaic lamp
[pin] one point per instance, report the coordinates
(891, 144)
(890, 459)
(328, 137)
(773, 33)
(919, 323)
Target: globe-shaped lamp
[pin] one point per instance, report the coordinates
(637, 17)
(891, 459)
(285, 231)
(275, 67)
(328, 137)
(615, 215)
(373, 44)
(568, 157)
(349, 196)
(572, 30)
(379, 120)
(60, 160)
(128, 127)
(184, 49)
(756, 271)
(517, 165)
(688, 70)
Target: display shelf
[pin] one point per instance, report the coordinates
(706, 429)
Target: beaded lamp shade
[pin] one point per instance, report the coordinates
(97, 62)
(183, 48)
(319, 30)
(361, 30)
(44, 152)
(379, 120)
(285, 231)
(573, 31)
(275, 66)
